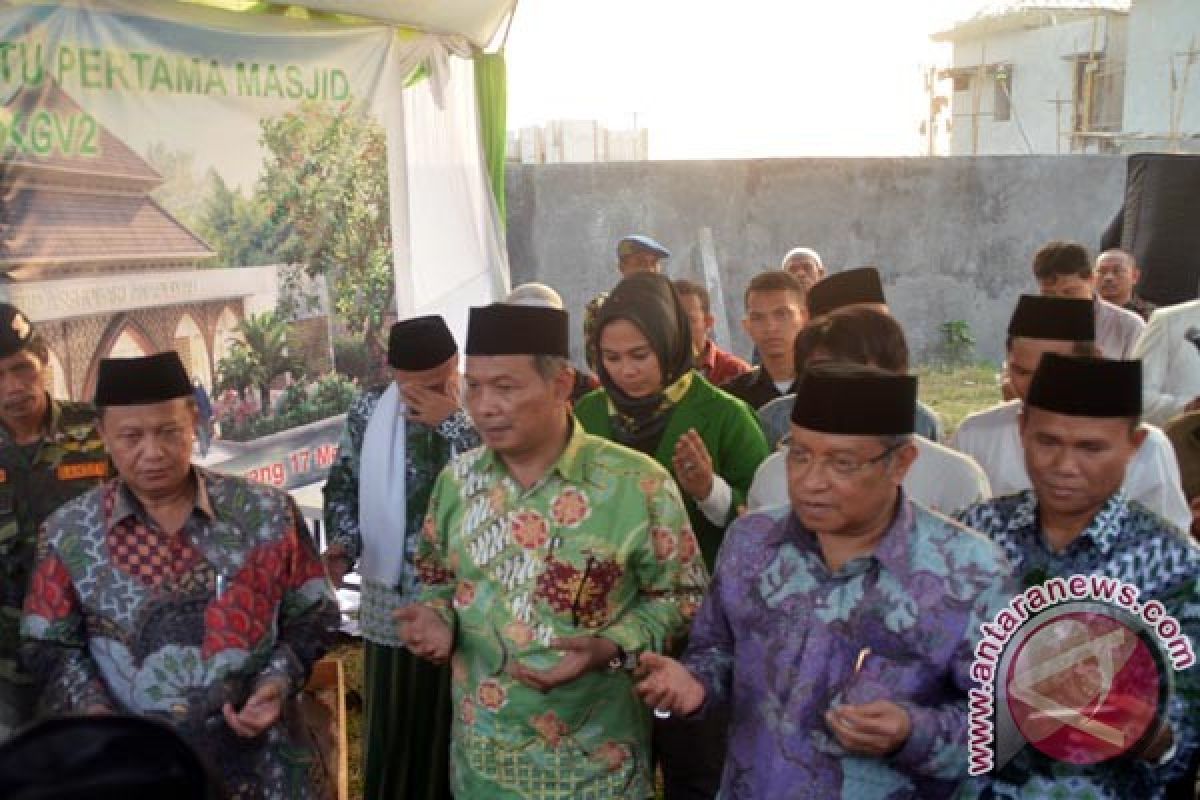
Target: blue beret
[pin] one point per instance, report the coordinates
(632, 244)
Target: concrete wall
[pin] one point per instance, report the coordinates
(1159, 31)
(953, 236)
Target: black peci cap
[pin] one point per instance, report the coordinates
(141, 381)
(855, 400)
(1082, 386)
(502, 330)
(420, 343)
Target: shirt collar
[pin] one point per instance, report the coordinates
(126, 504)
(571, 462)
(708, 359)
(892, 551)
(570, 465)
(765, 380)
(55, 413)
(1103, 531)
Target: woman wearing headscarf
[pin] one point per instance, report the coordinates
(652, 401)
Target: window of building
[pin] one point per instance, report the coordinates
(1099, 94)
(962, 82)
(1002, 100)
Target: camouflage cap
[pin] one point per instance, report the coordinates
(15, 330)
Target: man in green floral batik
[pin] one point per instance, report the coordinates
(550, 559)
(49, 453)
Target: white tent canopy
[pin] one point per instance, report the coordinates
(476, 20)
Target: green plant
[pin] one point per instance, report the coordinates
(329, 207)
(294, 396)
(352, 357)
(237, 370)
(298, 405)
(334, 391)
(957, 345)
(267, 340)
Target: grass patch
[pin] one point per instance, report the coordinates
(955, 393)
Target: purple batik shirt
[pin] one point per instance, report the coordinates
(778, 637)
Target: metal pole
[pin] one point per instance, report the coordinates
(975, 97)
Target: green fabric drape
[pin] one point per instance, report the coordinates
(491, 98)
(406, 733)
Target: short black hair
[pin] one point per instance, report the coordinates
(684, 287)
(548, 366)
(774, 280)
(1060, 258)
(1085, 349)
(854, 335)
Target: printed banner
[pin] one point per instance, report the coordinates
(176, 177)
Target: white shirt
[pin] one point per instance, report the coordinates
(940, 479)
(1170, 361)
(993, 439)
(1117, 329)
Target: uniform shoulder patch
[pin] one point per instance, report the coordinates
(85, 469)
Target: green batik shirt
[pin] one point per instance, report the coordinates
(34, 482)
(600, 545)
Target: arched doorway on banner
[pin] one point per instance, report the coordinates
(123, 339)
(226, 334)
(56, 380)
(193, 352)
(128, 345)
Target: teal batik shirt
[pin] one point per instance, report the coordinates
(427, 450)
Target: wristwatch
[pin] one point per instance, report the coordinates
(623, 661)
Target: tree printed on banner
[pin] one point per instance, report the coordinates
(321, 202)
(325, 175)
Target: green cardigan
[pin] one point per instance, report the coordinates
(730, 431)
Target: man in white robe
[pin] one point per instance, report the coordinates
(1170, 352)
(1065, 326)
(398, 437)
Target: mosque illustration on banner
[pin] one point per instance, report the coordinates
(92, 257)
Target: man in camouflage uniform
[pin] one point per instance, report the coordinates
(636, 253)
(50, 452)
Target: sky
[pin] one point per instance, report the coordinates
(746, 79)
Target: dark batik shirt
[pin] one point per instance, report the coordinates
(173, 624)
(1124, 541)
(426, 451)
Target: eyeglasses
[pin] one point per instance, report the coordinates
(842, 466)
